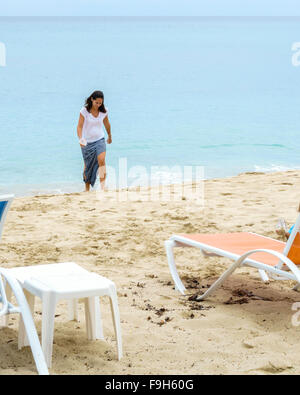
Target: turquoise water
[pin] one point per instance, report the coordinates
(218, 93)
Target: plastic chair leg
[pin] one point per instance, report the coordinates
(22, 337)
(96, 317)
(33, 341)
(169, 246)
(116, 318)
(264, 276)
(73, 309)
(93, 320)
(88, 320)
(49, 305)
(5, 319)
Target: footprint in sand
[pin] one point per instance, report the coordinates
(90, 227)
(271, 368)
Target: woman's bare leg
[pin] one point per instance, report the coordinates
(87, 184)
(102, 169)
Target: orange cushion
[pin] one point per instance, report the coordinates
(242, 242)
(294, 253)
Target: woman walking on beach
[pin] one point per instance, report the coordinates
(91, 138)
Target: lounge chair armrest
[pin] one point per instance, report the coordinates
(278, 255)
(15, 286)
(3, 298)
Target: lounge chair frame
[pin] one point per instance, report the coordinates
(265, 270)
(22, 308)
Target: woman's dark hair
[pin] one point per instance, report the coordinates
(95, 95)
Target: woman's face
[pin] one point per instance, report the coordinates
(97, 103)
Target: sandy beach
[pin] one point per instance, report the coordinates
(163, 332)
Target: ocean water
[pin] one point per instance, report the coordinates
(221, 93)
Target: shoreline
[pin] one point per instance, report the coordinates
(58, 191)
(124, 242)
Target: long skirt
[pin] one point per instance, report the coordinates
(90, 156)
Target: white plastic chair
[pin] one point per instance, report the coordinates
(8, 281)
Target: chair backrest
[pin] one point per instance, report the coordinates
(292, 248)
(5, 203)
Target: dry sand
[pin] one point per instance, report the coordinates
(163, 332)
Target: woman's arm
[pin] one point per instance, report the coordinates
(80, 126)
(108, 129)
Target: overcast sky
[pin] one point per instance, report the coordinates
(150, 7)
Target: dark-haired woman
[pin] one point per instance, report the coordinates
(91, 138)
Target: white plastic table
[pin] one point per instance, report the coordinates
(54, 282)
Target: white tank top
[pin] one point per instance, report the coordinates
(92, 127)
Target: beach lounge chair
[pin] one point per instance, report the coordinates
(54, 282)
(22, 307)
(272, 258)
(5, 203)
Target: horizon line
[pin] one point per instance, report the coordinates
(156, 16)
